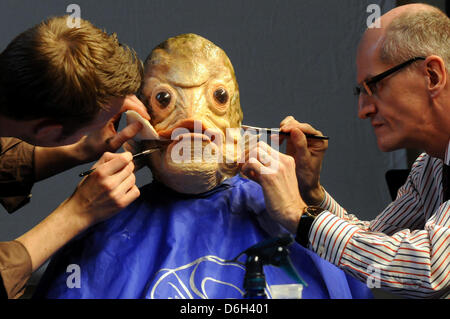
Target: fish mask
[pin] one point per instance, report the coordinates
(192, 95)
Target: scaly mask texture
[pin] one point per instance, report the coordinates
(192, 95)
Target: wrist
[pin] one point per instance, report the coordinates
(308, 217)
(292, 219)
(49, 161)
(78, 220)
(79, 152)
(315, 196)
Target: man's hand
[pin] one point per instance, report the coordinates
(275, 172)
(102, 194)
(110, 188)
(92, 146)
(308, 155)
(132, 103)
(49, 161)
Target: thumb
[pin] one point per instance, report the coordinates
(106, 157)
(298, 142)
(250, 170)
(124, 135)
(134, 104)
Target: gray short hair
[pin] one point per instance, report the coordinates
(417, 33)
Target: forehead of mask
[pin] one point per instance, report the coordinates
(188, 62)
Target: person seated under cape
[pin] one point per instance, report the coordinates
(175, 240)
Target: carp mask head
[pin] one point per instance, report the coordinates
(192, 95)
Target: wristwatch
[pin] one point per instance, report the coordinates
(309, 215)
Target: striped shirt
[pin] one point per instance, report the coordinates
(405, 249)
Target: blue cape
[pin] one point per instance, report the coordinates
(170, 245)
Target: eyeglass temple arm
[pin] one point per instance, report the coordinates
(393, 70)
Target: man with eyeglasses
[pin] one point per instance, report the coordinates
(404, 90)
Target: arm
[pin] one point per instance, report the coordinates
(15, 269)
(49, 161)
(405, 249)
(329, 204)
(390, 252)
(16, 173)
(99, 196)
(410, 263)
(110, 188)
(308, 155)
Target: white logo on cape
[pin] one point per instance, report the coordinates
(167, 279)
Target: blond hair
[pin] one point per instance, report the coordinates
(63, 73)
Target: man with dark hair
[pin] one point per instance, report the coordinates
(403, 71)
(57, 84)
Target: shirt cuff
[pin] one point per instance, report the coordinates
(15, 267)
(329, 236)
(328, 203)
(16, 173)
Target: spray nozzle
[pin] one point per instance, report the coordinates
(273, 251)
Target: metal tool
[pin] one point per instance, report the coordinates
(277, 131)
(135, 156)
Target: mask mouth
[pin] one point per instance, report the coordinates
(193, 142)
(194, 130)
(183, 127)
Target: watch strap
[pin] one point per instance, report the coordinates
(308, 217)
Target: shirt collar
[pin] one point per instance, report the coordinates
(447, 154)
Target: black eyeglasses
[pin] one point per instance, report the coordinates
(369, 86)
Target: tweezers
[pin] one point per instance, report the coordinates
(277, 131)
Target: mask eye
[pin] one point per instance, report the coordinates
(221, 96)
(163, 98)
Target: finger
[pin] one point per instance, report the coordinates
(132, 194)
(125, 185)
(132, 146)
(134, 104)
(263, 157)
(270, 157)
(115, 163)
(264, 147)
(250, 139)
(122, 174)
(124, 135)
(135, 98)
(299, 139)
(299, 142)
(112, 182)
(304, 127)
(252, 169)
(106, 157)
(250, 142)
(287, 120)
(251, 148)
(277, 139)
